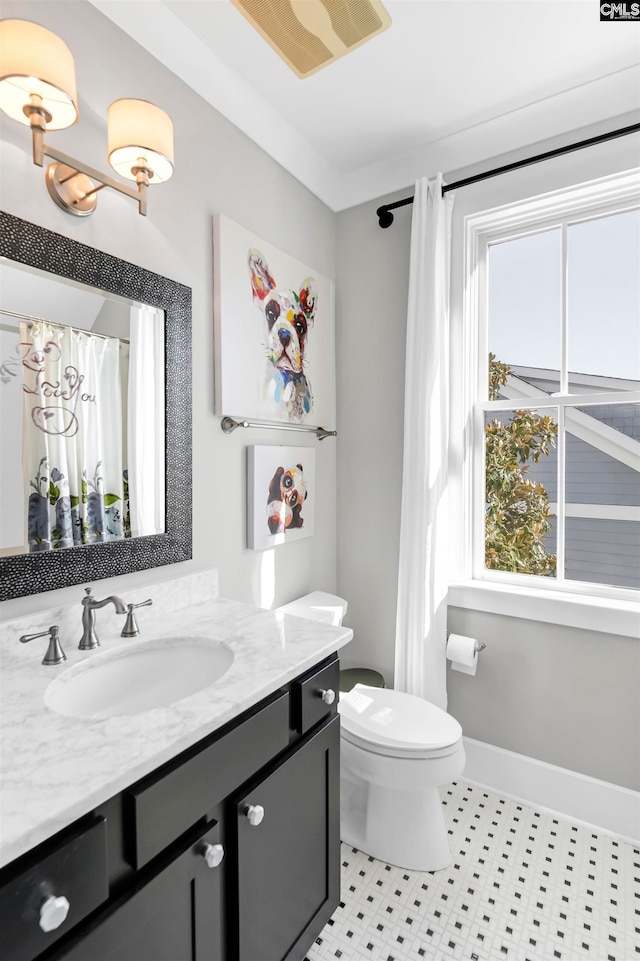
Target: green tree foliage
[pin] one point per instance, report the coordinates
(517, 514)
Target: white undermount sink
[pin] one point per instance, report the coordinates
(145, 676)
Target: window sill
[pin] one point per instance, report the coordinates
(601, 614)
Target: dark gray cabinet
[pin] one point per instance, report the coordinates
(288, 879)
(174, 914)
(230, 852)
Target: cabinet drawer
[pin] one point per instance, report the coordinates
(307, 691)
(167, 803)
(73, 867)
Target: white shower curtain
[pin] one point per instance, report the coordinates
(72, 437)
(420, 662)
(146, 422)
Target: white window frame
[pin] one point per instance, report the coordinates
(580, 604)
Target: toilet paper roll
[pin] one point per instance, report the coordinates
(462, 652)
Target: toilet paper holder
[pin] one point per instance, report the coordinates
(479, 646)
(463, 652)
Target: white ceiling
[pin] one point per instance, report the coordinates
(450, 84)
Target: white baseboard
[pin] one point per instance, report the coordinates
(598, 804)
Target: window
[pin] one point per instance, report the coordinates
(552, 342)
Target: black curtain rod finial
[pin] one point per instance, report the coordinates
(385, 217)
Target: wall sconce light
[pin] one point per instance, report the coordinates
(38, 88)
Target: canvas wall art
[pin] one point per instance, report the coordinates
(280, 495)
(274, 332)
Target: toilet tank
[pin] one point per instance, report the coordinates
(318, 606)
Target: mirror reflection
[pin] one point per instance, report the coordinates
(82, 402)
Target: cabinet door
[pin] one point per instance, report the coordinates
(174, 916)
(288, 881)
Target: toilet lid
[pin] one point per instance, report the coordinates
(397, 720)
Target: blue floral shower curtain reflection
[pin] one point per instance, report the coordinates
(74, 451)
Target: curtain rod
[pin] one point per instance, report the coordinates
(385, 217)
(53, 323)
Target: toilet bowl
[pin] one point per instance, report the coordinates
(396, 750)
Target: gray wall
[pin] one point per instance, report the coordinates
(371, 300)
(565, 696)
(559, 694)
(217, 169)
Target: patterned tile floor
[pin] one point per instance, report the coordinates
(522, 886)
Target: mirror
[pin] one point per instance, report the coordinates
(95, 407)
(81, 415)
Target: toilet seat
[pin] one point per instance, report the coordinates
(397, 724)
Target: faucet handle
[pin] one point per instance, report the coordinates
(146, 603)
(131, 628)
(55, 654)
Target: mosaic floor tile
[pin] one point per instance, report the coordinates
(523, 885)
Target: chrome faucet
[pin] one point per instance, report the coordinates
(89, 606)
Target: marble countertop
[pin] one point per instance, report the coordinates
(54, 769)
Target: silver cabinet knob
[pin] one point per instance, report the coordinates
(53, 912)
(328, 696)
(213, 854)
(254, 814)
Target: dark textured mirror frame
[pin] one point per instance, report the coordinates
(24, 574)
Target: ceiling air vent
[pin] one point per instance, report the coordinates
(311, 34)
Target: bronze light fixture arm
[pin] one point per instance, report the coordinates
(70, 182)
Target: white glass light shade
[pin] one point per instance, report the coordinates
(34, 61)
(140, 135)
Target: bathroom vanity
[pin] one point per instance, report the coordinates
(225, 850)
(231, 850)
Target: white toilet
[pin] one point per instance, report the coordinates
(396, 751)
